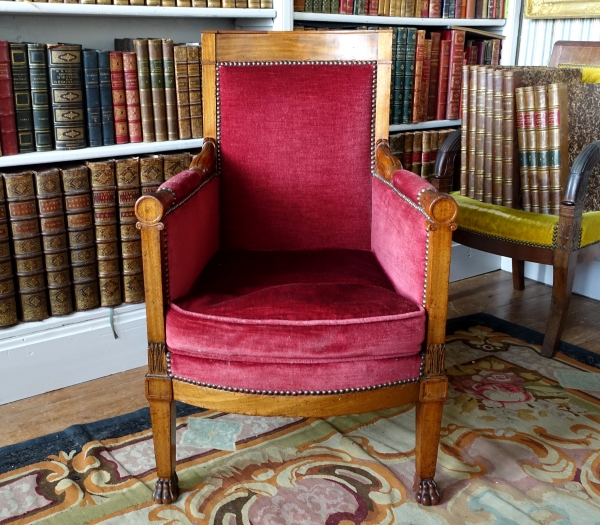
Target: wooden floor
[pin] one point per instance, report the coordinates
(121, 393)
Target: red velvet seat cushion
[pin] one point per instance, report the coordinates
(300, 320)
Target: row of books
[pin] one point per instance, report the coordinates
(510, 155)
(251, 4)
(63, 97)
(417, 150)
(467, 9)
(68, 236)
(426, 71)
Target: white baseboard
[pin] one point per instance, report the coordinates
(468, 262)
(62, 351)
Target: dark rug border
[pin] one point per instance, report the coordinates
(19, 455)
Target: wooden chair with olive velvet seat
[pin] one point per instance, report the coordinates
(295, 269)
(564, 240)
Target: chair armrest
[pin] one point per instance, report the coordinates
(577, 182)
(447, 163)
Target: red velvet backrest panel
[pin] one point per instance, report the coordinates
(295, 155)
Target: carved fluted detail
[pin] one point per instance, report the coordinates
(157, 358)
(435, 359)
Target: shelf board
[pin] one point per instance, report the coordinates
(44, 157)
(40, 8)
(396, 21)
(424, 125)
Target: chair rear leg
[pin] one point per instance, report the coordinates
(163, 413)
(429, 420)
(518, 274)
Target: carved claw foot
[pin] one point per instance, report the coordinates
(166, 490)
(428, 493)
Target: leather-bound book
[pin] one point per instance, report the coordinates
(409, 8)
(184, 3)
(433, 75)
(143, 68)
(132, 97)
(54, 240)
(8, 302)
(104, 199)
(488, 159)
(124, 44)
(127, 174)
(117, 81)
(194, 52)
(175, 163)
(480, 121)
(418, 80)
(458, 8)
(66, 93)
(497, 138)
(424, 11)
(151, 173)
(435, 144)
(106, 105)
(472, 132)
(531, 147)
(182, 92)
(81, 236)
(359, 7)
(157, 83)
(40, 99)
(426, 76)
(168, 3)
(522, 143)
(558, 133)
(457, 46)
(496, 48)
(170, 92)
(199, 3)
(435, 8)
(409, 139)
(510, 151)
(426, 155)
(540, 124)
(8, 123)
(399, 59)
(335, 6)
(27, 246)
(152, 2)
(19, 65)
(397, 145)
(443, 79)
(417, 152)
(409, 75)
(92, 97)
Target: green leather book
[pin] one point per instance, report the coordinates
(40, 98)
(409, 74)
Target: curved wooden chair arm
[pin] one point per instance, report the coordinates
(205, 162)
(579, 176)
(385, 163)
(445, 163)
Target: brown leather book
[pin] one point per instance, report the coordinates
(443, 79)
(80, 228)
(397, 145)
(54, 240)
(117, 81)
(497, 160)
(488, 136)
(8, 302)
(425, 155)
(426, 77)
(433, 75)
(27, 246)
(434, 137)
(195, 89)
(522, 143)
(143, 69)
(132, 97)
(457, 48)
(540, 124)
(157, 83)
(480, 120)
(472, 132)
(464, 130)
(182, 91)
(409, 139)
(558, 142)
(418, 80)
(151, 173)
(417, 152)
(510, 162)
(175, 163)
(104, 199)
(531, 147)
(170, 93)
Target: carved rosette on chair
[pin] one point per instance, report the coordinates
(294, 260)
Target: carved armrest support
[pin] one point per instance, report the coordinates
(446, 163)
(385, 163)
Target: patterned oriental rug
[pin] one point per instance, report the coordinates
(520, 445)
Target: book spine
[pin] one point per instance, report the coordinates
(426, 155)
(435, 8)
(497, 138)
(27, 246)
(442, 91)
(104, 201)
(127, 174)
(399, 69)
(66, 92)
(409, 139)
(195, 89)
(420, 50)
(151, 173)
(359, 7)
(92, 97)
(458, 8)
(522, 143)
(40, 99)
(457, 39)
(470, 8)
(540, 123)
(417, 152)
(472, 132)
(22, 97)
(8, 302)
(558, 143)
(170, 93)
(124, 44)
(510, 168)
(464, 130)
(435, 136)
(496, 46)
(434, 75)
(480, 131)
(426, 77)
(54, 240)
(132, 97)
(452, 9)
(106, 108)
(393, 95)
(182, 92)
(157, 83)
(143, 68)
(488, 136)
(117, 82)
(81, 237)
(373, 6)
(424, 9)
(531, 147)
(175, 163)
(409, 75)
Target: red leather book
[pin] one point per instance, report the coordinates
(457, 48)
(424, 8)
(470, 8)
(8, 123)
(373, 7)
(420, 48)
(117, 82)
(435, 8)
(458, 8)
(443, 77)
(433, 75)
(132, 97)
(423, 101)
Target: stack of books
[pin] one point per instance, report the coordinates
(63, 97)
(70, 242)
(253, 4)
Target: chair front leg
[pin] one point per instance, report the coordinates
(159, 392)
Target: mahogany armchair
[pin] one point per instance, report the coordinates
(295, 269)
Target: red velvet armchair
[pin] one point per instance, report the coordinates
(295, 269)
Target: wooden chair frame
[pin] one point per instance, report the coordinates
(429, 393)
